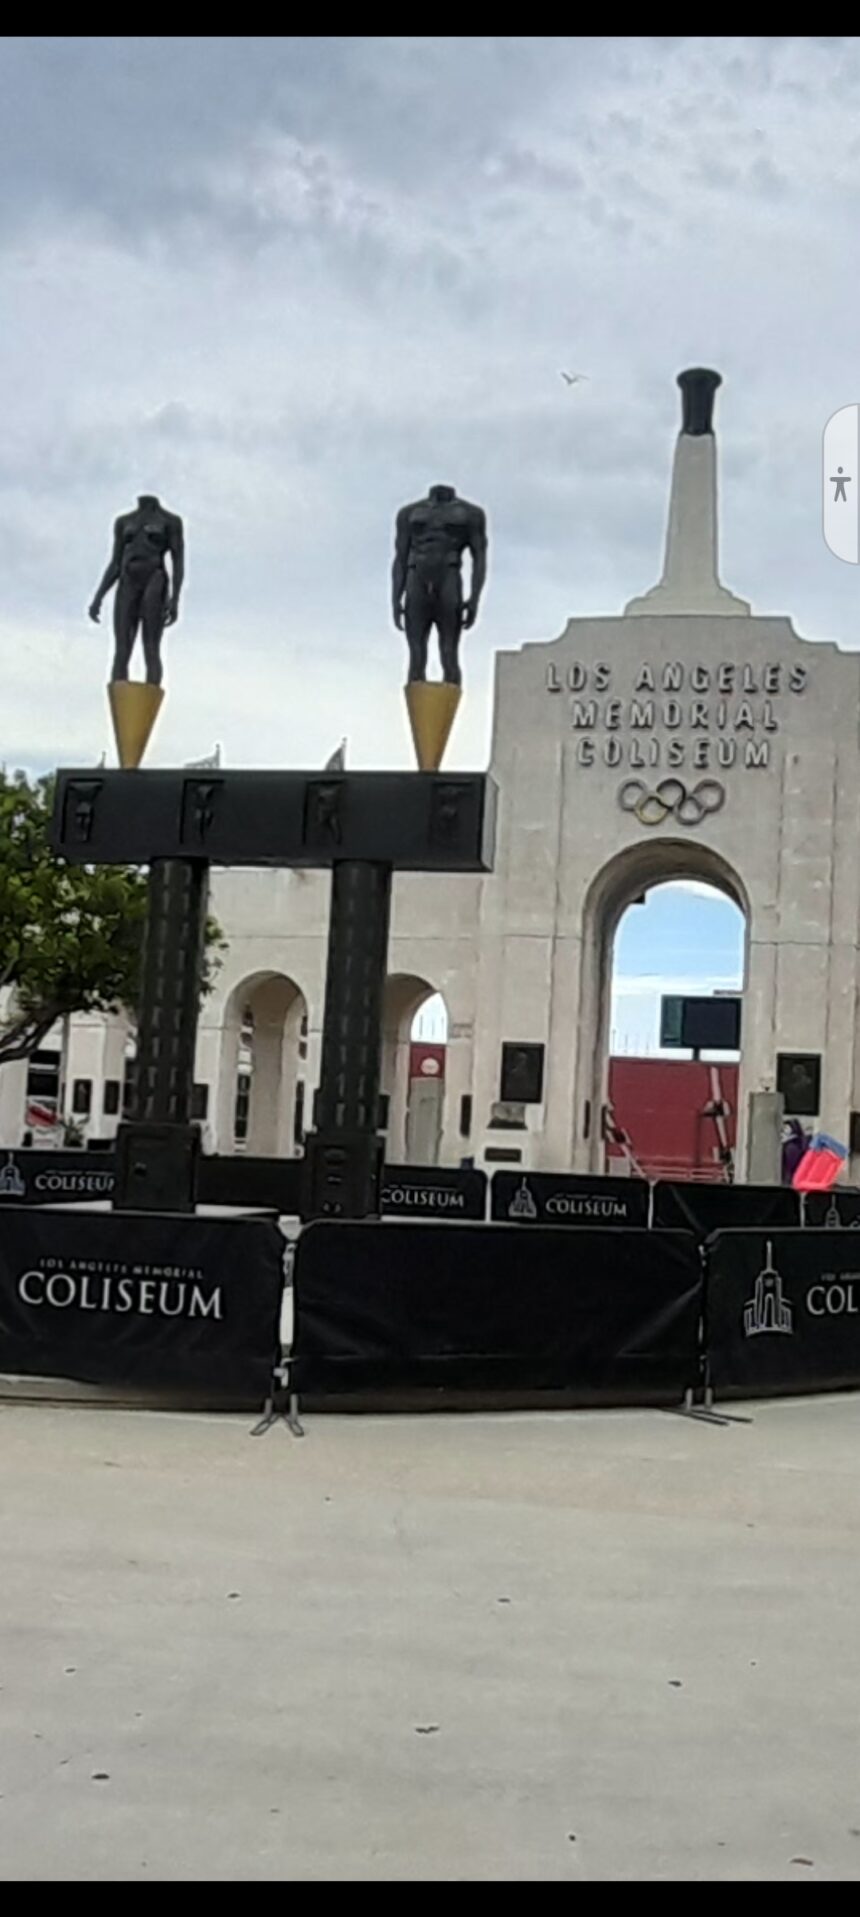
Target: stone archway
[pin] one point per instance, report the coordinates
(411, 1135)
(261, 1073)
(622, 880)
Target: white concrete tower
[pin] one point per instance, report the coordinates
(690, 581)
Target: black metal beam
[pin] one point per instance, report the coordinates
(416, 822)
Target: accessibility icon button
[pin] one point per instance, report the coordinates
(840, 476)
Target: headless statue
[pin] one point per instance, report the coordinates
(426, 582)
(147, 598)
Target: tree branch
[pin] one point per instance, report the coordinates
(25, 1037)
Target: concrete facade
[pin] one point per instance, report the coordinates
(685, 737)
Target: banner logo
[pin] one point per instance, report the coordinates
(522, 1204)
(585, 1205)
(768, 1309)
(834, 1296)
(159, 1296)
(833, 1219)
(97, 1184)
(423, 1197)
(672, 799)
(11, 1183)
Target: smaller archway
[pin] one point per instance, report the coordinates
(262, 1097)
(414, 1019)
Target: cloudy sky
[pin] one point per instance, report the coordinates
(287, 283)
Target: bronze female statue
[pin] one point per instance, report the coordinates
(147, 598)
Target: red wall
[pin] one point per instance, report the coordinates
(660, 1102)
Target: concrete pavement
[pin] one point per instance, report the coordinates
(593, 1645)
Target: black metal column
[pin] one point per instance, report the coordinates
(157, 1151)
(344, 1152)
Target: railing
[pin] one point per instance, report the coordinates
(679, 1172)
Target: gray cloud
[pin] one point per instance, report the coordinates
(286, 283)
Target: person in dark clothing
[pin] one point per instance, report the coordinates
(795, 1142)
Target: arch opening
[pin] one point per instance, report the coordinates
(657, 917)
(263, 1091)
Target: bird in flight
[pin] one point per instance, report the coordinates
(573, 379)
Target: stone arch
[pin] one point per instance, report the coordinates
(265, 1040)
(410, 1135)
(624, 878)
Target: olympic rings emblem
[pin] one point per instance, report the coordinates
(671, 799)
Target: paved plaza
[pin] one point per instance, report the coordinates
(595, 1645)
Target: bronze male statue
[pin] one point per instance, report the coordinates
(146, 598)
(426, 582)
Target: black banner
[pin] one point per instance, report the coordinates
(55, 1178)
(433, 1191)
(833, 1210)
(78, 1177)
(708, 1208)
(269, 1184)
(139, 1300)
(783, 1310)
(568, 1198)
(482, 1307)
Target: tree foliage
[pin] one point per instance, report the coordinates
(70, 935)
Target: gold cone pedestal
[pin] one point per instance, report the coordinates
(432, 709)
(134, 710)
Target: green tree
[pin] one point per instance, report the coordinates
(70, 935)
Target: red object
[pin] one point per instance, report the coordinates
(666, 1106)
(426, 1061)
(820, 1166)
